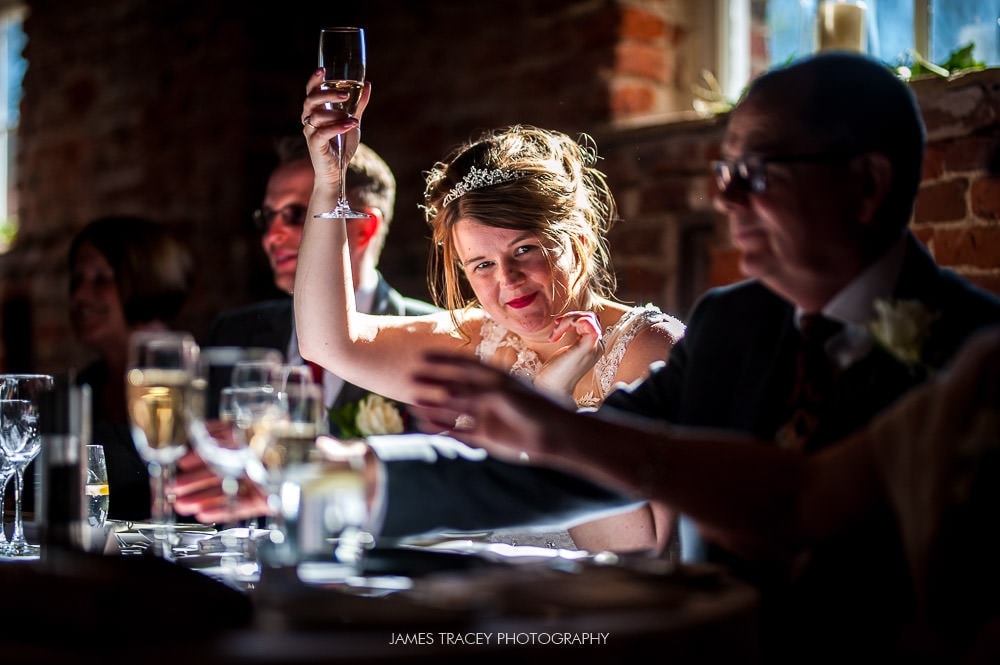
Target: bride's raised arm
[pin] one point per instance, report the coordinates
(373, 352)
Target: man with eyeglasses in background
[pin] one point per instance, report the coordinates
(371, 188)
(820, 167)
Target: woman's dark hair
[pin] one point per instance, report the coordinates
(153, 270)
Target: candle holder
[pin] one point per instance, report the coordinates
(841, 25)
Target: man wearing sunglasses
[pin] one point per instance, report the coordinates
(371, 187)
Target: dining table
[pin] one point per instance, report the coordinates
(451, 599)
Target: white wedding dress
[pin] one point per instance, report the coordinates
(496, 340)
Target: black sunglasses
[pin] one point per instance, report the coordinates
(750, 173)
(293, 214)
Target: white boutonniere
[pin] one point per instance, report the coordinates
(902, 327)
(371, 415)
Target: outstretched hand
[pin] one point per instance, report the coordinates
(199, 492)
(500, 413)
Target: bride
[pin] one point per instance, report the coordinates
(518, 219)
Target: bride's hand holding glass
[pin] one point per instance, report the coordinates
(342, 61)
(322, 125)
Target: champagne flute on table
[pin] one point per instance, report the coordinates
(342, 56)
(20, 441)
(255, 384)
(258, 367)
(320, 501)
(158, 377)
(219, 435)
(287, 437)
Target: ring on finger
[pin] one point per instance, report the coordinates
(305, 121)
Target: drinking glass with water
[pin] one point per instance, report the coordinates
(96, 489)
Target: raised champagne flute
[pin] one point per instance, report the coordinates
(342, 56)
(161, 367)
(20, 441)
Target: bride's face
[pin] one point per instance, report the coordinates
(518, 280)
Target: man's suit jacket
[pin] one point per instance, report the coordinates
(734, 370)
(268, 324)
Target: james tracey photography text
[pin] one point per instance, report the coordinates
(497, 639)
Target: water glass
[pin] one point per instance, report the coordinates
(96, 488)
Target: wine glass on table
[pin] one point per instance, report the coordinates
(219, 425)
(20, 441)
(158, 377)
(257, 367)
(342, 56)
(233, 387)
(320, 501)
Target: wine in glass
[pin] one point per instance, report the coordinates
(320, 501)
(20, 441)
(342, 56)
(161, 367)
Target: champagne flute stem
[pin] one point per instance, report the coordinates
(231, 488)
(168, 471)
(160, 476)
(3, 513)
(158, 494)
(17, 538)
(342, 199)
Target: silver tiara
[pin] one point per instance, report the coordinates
(479, 178)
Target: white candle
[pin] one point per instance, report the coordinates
(841, 25)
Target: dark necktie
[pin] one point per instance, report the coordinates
(317, 372)
(813, 378)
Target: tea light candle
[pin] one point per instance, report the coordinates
(841, 25)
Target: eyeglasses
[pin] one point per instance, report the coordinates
(293, 214)
(750, 172)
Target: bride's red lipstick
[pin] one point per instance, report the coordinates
(523, 301)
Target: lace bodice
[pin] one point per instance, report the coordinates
(496, 341)
(617, 337)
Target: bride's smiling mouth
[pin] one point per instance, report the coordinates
(523, 301)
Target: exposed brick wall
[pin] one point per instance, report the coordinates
(957, 213)
(168, 110)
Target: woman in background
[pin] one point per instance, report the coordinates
(126, 274)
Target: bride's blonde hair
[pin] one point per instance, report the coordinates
(527, 179)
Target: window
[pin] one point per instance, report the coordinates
(895, 28)
(12, 66)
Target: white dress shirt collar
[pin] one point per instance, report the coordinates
(855, 303)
